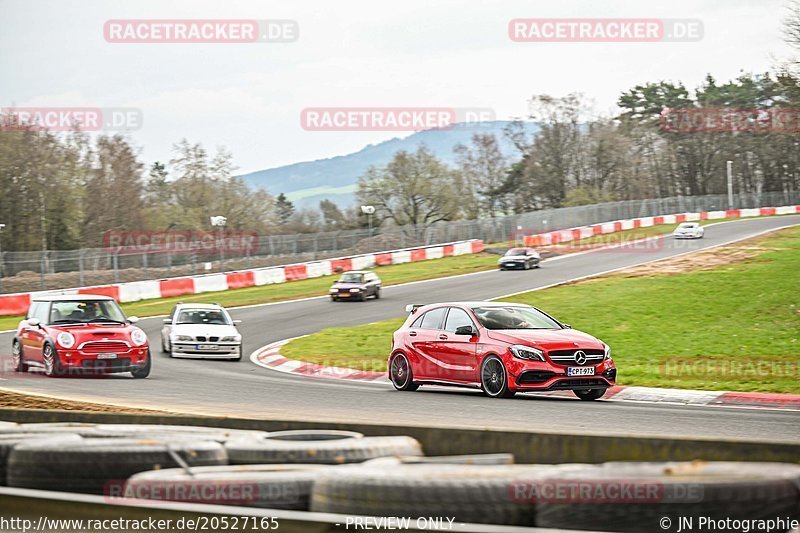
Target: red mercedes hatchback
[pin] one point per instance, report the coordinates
(80, 332)
(503, 348)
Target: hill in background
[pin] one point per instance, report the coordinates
(336, 178)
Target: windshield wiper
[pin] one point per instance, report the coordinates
(103, 319)
(67, 321)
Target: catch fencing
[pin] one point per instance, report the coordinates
(58, 269)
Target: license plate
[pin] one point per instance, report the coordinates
(580, 371)
(106, 356)
(344, 295)
(207, 347)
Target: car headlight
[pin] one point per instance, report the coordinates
(526, 352)
(65, 339)
(355, 290)
(606, 352)
(183, 338)
(231, 338)
(138, 337)
(334, 290)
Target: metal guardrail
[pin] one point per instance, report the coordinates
(58, 269)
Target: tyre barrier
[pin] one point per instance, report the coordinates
(318, 447)
(52, 428)
(166, 431)
(635, 496)
(94, 465)
(479, 459)
(466, 493)
(9, 440)
(265, 486)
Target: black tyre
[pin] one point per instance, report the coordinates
(95, 465)
(52, 363)
(494, 378)
(467, 493)
(475, 459)
(265, 486)
(9, 440)
(717, 490)
(378, 293)
(317, 447)
(590, 394)
(145, 370)
(171, 431)
(164, 348)
(17, 358)
(401, 374)
(334, 299)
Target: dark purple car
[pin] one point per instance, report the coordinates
(356, 285)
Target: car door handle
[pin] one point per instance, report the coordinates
(443, 337)
(412, 333)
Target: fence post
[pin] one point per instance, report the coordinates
(115, 262)
(144, 264)
(80, 268)
(42, 266)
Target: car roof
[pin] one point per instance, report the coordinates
(71, 298)
(479, 304)
(199, 306)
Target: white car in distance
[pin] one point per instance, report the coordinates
(689, 230)
(201, 331)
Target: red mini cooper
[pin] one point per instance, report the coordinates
(503, 348)
(80, 332)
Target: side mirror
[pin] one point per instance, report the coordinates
(465, 330)
(567, 326)
(35, 322)
(237, 321)
(133, 319)
(167, 321)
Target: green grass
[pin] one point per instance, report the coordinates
(731, 327)
(390, 275)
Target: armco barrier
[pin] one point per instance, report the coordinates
(17, 304)
(556, 237)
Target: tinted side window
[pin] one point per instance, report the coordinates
(418, 322)
(457, 318)
(433, 319)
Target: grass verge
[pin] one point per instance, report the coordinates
(391, 275)
(728, 324)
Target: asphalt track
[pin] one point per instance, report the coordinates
(246, 390)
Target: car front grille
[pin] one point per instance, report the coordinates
(104, 347)
(202, 338)
(567, 357)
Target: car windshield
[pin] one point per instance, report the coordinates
(203, 316)
(351, 277)
(517, 251)
(688, 226)
(84, 311)
(514, 318)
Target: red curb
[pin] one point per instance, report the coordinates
(758, 399)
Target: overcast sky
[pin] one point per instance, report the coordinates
(456, 53)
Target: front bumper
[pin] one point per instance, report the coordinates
(125, 361)
(546, 376)
(513, 265)
(214, 350)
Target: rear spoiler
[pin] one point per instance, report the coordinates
(412, 308)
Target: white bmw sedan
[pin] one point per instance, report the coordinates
(201, 331)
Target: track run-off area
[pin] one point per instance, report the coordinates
(243, 389)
